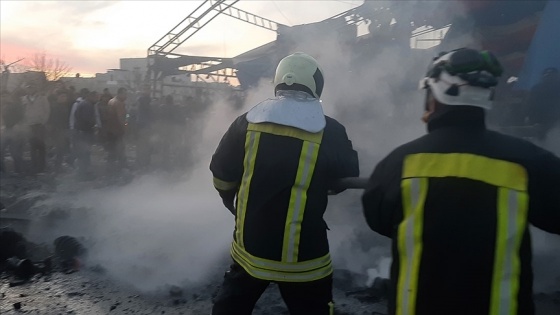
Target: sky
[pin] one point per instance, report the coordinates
(91, 36)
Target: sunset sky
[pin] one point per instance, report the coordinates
(91, 36)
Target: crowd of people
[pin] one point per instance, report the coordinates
(49, 127)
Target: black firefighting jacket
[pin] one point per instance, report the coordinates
(457, 203)
(280, 176)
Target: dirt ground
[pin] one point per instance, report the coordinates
(91, 291)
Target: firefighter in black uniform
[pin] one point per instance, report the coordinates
(277, 161)
(457, 202)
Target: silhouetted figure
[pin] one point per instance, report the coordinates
(59, 126)
(144, 131)
(86, 120)
(37, 111)
(116, 129)
(12, 136)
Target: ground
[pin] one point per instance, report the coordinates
(92, 291)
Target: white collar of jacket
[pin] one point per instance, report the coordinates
(290, 108)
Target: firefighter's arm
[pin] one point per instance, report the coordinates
(544, 194)
(227, 163)
(346, 158)
(381, 199)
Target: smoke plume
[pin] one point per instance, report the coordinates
(156, 231)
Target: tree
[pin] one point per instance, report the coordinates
(53, 68)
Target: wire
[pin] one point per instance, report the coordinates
(280, 11)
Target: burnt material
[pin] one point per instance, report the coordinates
(68, 248)
(11, 244)
(22, 268)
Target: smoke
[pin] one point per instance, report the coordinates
(158, 231)
(546, 257)
(552, 140)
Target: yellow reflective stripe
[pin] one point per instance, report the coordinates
(286, 131)
(223, 185)
(511, 225)
(282, 274)
(251, 148)
(331, 308)
(298, 199)
(414, 192)
(491, 171)
(274, 265)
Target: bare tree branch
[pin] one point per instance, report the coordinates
(53, 68)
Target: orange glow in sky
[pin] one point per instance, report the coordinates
(91, 36)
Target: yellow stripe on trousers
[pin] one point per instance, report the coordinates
(414, 191)
(298, 200)
(251, 147)
(512, 222)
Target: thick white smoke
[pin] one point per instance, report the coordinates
(158, 230)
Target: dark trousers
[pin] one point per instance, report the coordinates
(84, 141)
(143, 147)
(61, 145)
(116, 151)
(14, 142)
(240, 292)
(38, 148)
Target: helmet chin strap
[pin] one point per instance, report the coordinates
(429, 105)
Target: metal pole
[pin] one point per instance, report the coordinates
(350, 183)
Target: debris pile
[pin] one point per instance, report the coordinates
(15, 259)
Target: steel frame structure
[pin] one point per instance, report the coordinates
(202, 69)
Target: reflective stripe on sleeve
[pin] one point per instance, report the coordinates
(223, 185)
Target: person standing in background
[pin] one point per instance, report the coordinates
(116, 129)
(37, 111)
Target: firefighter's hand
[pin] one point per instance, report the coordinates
(228, 199)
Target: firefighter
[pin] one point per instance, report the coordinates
(277, 161)
(457, 202)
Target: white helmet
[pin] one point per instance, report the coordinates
(463, 77)
(299, 72)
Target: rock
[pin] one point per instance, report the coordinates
(17, 305)
(22, 268)
(75, 293)
(12, 244)
(175, 291)
(16, 283)
(67, 249)
(113, 307)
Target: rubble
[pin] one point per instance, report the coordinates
(12, 244)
